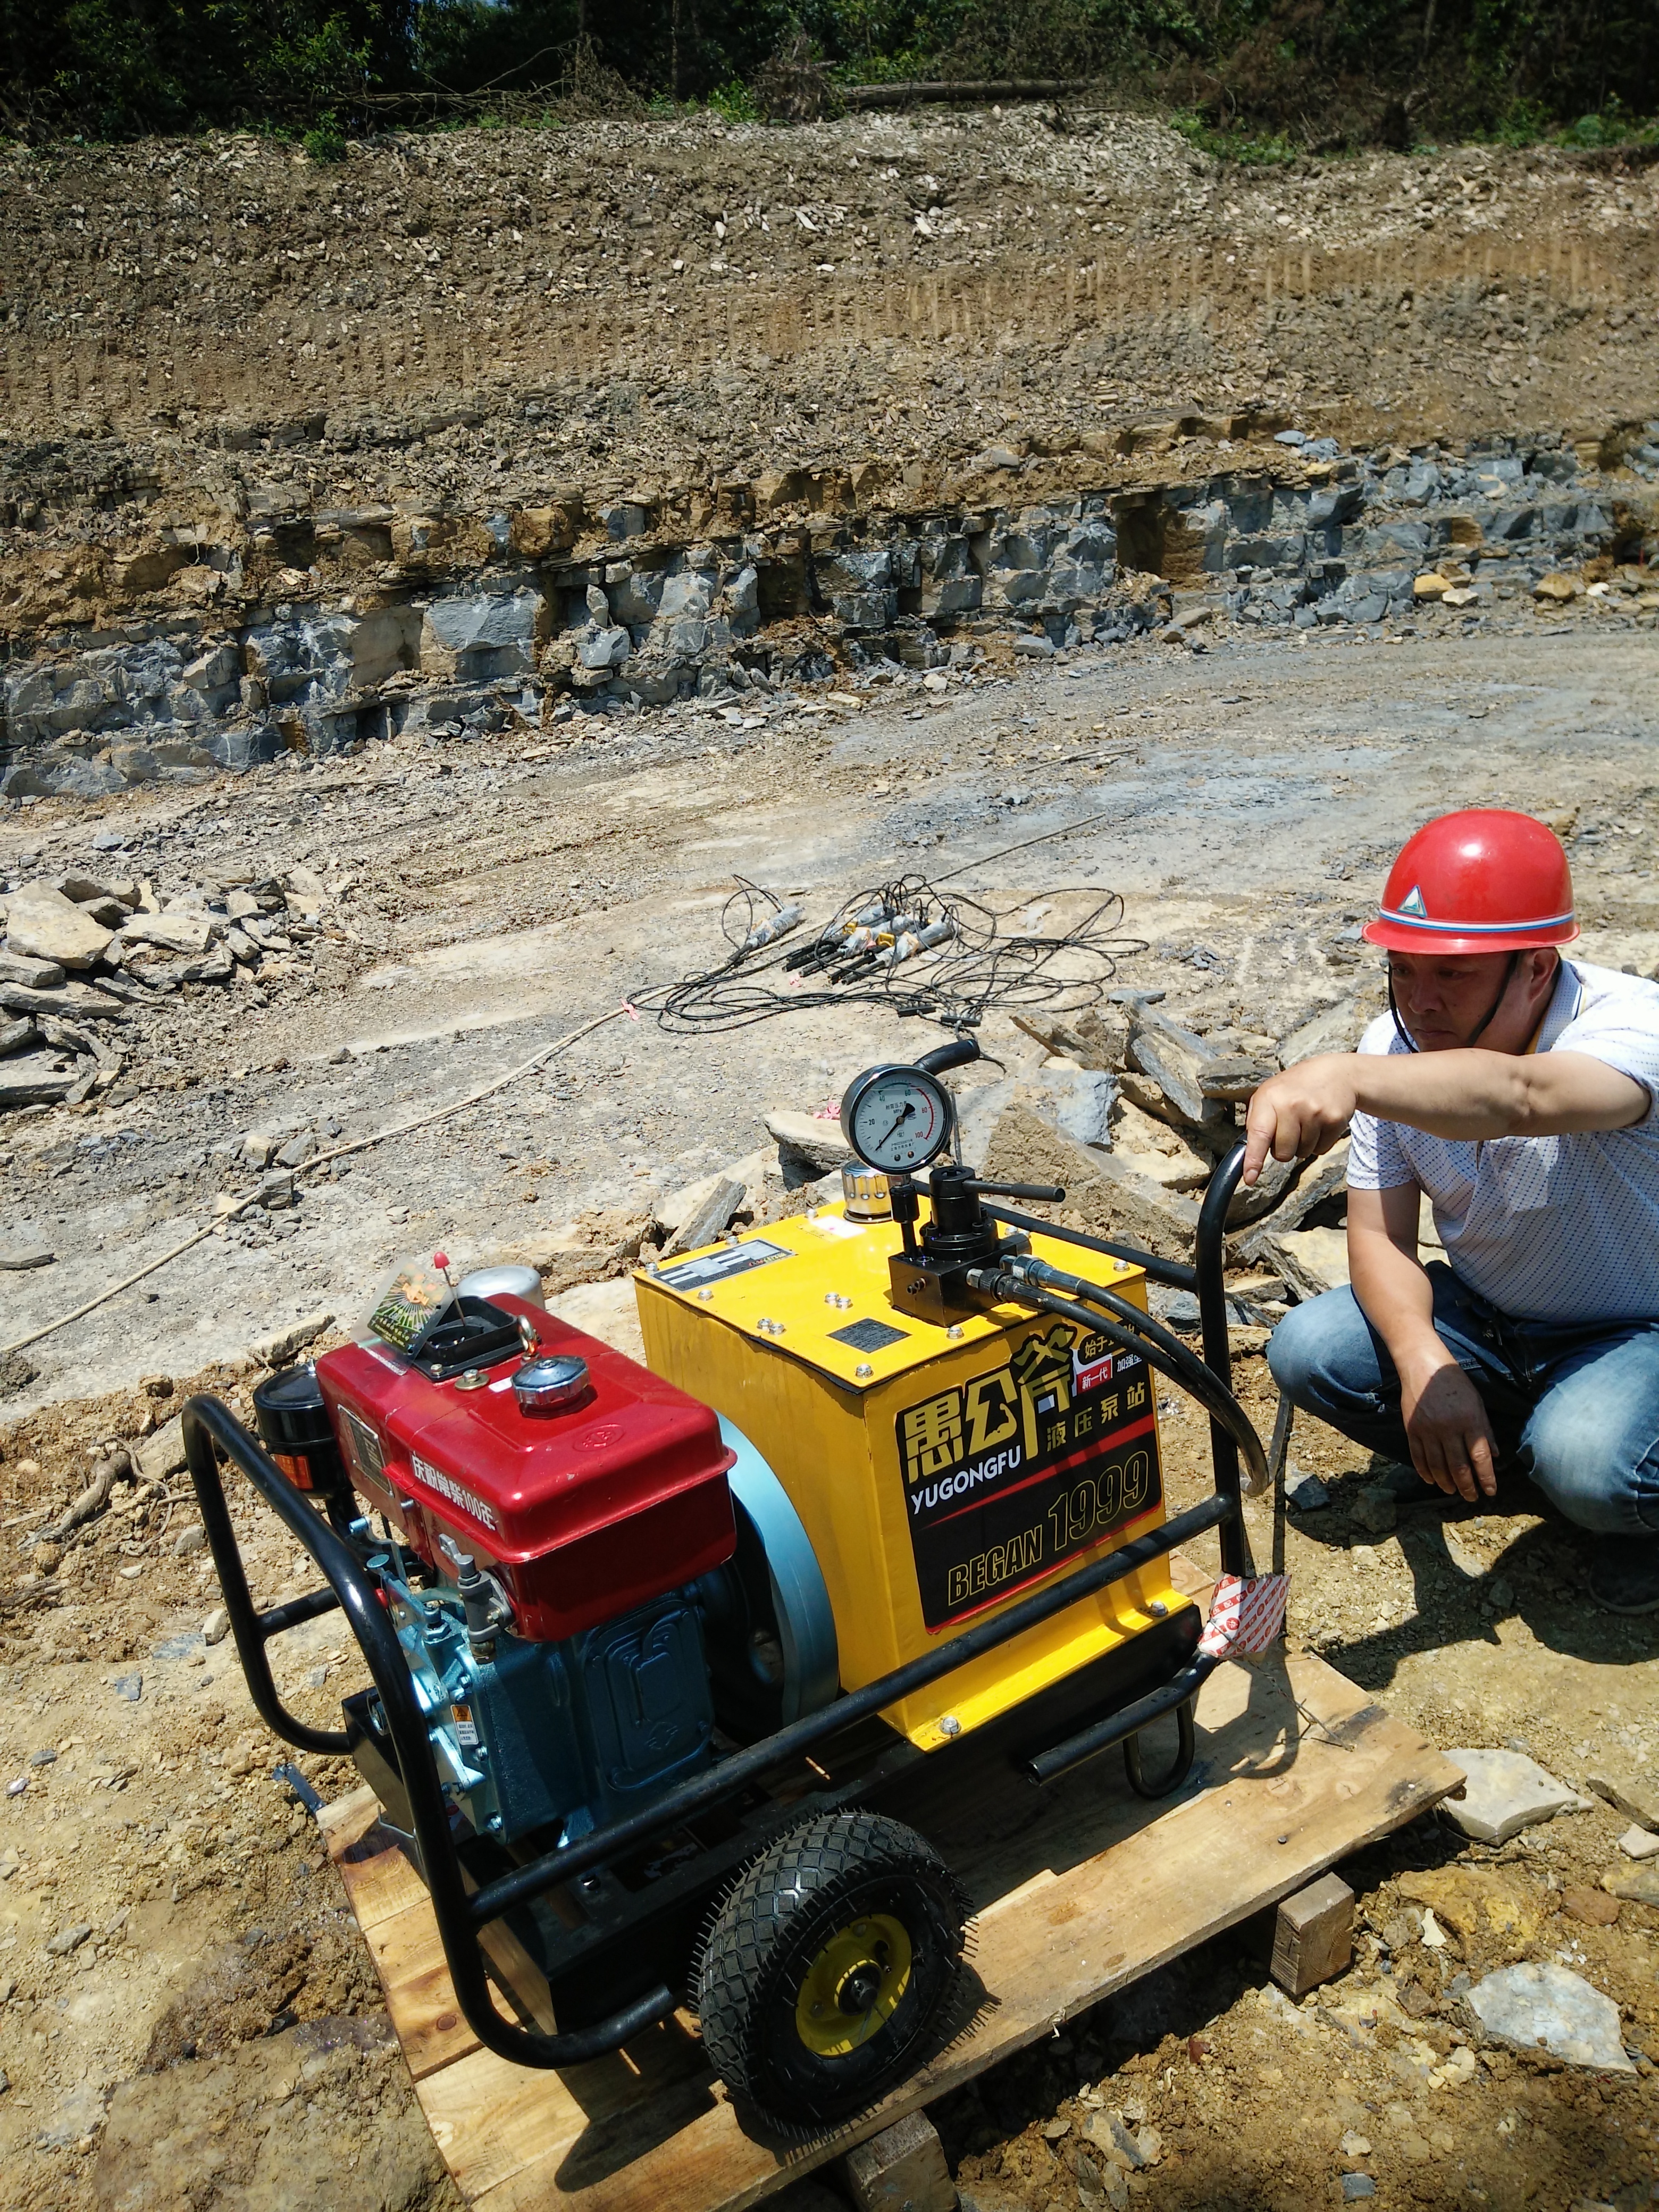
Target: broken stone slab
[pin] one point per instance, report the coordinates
(214, 966)
(1505, 1792)
(158, 1456)
(1635, 1795)
(1639, 1886)
(1306, 1492)
(1175, 1059)
(33, 975)
(1335, 1028)
(17, 1035)
(709, 1219)
(1158, 1150)
(1151, 1097)
(34, 1078)
(18, 1259)
(1324, 1179)
(1535, 2007)
(1101, 1191)
(181, 929)
(1235, 1077)
(1311, 1261)
(1077, 1100)
(79, 1000)
(41, 922)
(1375, 1509)
(1098, 1037)
(807, 1147)
(1638, 1843)
(277, 1350)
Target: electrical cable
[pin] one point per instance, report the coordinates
(945, 955)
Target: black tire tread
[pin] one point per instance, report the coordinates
(801, 1870)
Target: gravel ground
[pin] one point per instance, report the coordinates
(214, 2037)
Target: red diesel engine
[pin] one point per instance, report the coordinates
(548, 1504)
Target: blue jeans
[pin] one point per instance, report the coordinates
(1575, 1409)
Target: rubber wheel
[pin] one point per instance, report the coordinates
(827, 1968)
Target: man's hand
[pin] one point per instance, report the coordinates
(1301, 1113)
(1447, 1428)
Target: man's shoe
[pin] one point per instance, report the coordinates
(1624, 1574)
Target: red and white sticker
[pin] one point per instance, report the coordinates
(1246, 1617)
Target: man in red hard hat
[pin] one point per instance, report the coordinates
(1517, 1088)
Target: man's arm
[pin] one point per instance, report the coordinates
(1446, 1425)
(1466, 1095)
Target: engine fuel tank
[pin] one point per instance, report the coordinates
(580, 1512)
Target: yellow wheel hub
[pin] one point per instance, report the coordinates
(854, 1985)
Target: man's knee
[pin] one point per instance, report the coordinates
(1598, 1469)
(1322, 1350)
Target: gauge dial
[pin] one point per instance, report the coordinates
(896, 1119)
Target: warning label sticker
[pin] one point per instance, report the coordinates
(1028, 1464)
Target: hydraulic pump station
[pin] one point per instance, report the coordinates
(656, 1650)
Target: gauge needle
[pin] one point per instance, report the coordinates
(905, 1112)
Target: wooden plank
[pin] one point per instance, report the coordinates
(1078, 1890)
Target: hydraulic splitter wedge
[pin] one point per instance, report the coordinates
(656, 1651)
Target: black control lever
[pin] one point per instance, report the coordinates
(1051, 1192)
(943, 1057)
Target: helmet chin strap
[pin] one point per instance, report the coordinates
(1481, 1026)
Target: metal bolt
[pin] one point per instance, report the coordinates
(955, 1331)
(812, 1215)
(1158, 1609)
(705, 1296)
(864, 1370)
(950, 1725)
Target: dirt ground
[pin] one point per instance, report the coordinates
(187, 2016)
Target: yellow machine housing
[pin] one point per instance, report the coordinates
(939, 1471)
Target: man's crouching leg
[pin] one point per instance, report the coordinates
(1592, 1446)
(1327, 1359)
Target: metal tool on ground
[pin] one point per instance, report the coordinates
(657, 1653)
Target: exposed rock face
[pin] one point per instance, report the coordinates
(467, 634)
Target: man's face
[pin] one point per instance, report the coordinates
(1443, 1002)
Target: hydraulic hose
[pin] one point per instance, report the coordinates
(1189, 1373)
(1175, 1273)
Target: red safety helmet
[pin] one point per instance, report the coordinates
(1482, 881)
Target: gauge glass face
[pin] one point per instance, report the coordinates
(900, 1120)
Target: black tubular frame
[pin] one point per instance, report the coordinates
(212, 1432)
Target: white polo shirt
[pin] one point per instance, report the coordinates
(1550, 1229)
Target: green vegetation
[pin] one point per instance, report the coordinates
(1253, 81)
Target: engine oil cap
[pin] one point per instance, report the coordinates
(542, 1386)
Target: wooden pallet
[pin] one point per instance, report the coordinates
(1079, 1889)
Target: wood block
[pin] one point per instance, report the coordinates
(1313, 1936)
(901, 2170)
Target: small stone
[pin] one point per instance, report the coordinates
(31, 974)
(1355, 2185)
(1108, 2132)
(1033, 646)
(1558, 586)
(297, 1151)
(1592, 1906)
(1054, 2130)
(17, 1786)
(1375, 1508)
(45, 1757)
(158, 1456)
(1533, 2007)
(216, 1626)
(67, 1940)
(1308, 1494)
(1354, 2145)
(1639, 1844)
(1430, 585)
(129, 1686)
(193, 1538)
(1504, 1793)
(17, 1258)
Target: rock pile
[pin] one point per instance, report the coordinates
(82, 959)
(1131, 1112)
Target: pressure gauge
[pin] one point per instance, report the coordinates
(896, 1119)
